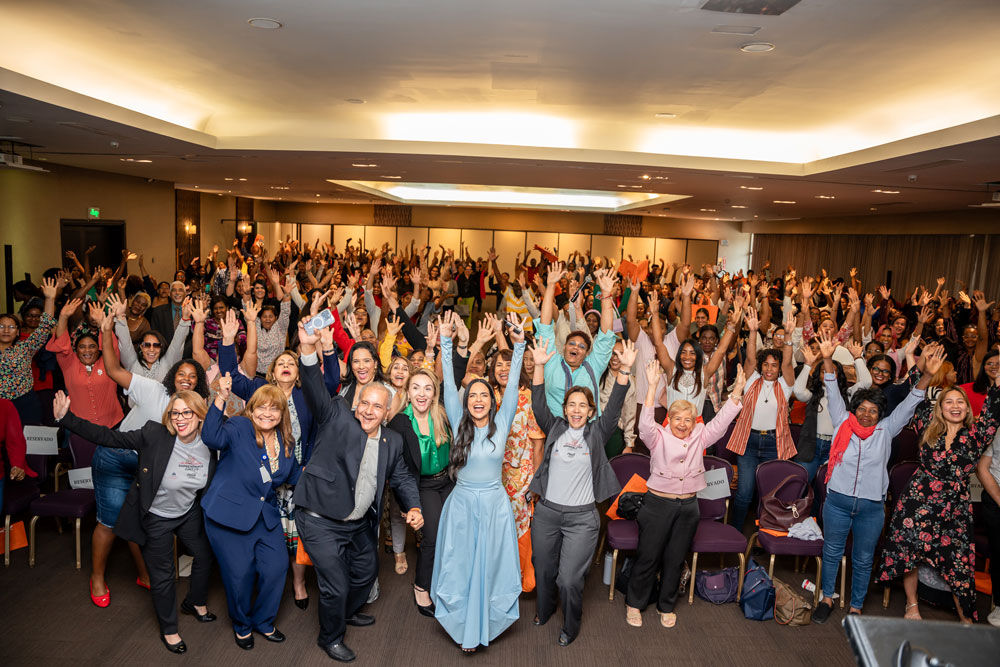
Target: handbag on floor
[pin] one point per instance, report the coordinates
(790, 608)
(757, 601)
(717, 587)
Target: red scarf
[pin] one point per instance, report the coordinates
(842, 439)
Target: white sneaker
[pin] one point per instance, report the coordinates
(994, 617)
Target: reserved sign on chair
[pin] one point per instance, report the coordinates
(42, 440)
(718, 485)
(80, 478)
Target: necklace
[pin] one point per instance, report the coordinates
(765, 389)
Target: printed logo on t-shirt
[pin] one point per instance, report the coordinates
(570, 450)
(191, 468)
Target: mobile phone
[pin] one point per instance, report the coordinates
(323, 319)
(516, 328)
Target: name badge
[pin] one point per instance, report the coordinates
(265, 476)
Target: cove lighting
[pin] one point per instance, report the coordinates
(887, 192)
(825, 197)
(448, 194)
(782, 201)
(515, 129)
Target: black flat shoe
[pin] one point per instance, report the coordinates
(565, 639)
(340, 652)
(536, 621)
(360, 620)
(245, 643)
(303, 603)
(178, 648)
(822, 613)
(207, 617)
(276, 636)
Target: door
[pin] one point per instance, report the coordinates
(107, 237)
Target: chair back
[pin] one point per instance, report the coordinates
(82, 451)
(819, 491)
(626, 465)
(715, 509)
(39, 464)
(905, 447)
(720, 446)
(899, 477)
(771, 473)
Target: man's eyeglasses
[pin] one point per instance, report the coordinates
(181, 414)
(151, 344)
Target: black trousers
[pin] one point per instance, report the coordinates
(158, 552)
(433, 493)
(562, 547)
(666, 530)
(991, 516)
(344, 553)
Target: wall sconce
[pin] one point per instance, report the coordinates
(190, 229)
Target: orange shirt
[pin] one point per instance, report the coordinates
(94, 394)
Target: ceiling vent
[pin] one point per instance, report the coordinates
(758, 7)
(926, 165)
(86, 128)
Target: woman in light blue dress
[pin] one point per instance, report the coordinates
(477, 574)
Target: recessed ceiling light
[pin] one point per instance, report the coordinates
(391, 177)
(354, 100)
(645, 177)
(887, 192)
(623, 186)
(825, 197)
(362, 165)
(265, 24)
(196, 187)
(227, 179)
(666, 114)
(737, 206)
(280, 187)
(872, 208)
(317, 195)
(243, 179)
(757, 47)
(635, 186)
(707, 210)
(750, 187)
(782, 201)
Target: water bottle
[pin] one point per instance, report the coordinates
(607, 568)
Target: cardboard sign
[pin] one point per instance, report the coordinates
(80, 478)
(548, 255)
(713, 311)
(975, 488)
(718, 485)
(42, 440)
(634, 273)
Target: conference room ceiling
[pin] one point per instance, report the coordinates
(855, 97)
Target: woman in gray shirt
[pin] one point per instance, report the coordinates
(175, 467)
(573, 475)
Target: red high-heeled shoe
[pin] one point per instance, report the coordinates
(138, 582)
(100, 600)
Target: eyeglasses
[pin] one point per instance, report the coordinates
(577, 343)
(8, 327)
(181, 414)
(152, 344)
(880, 371)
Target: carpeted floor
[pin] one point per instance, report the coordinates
(47, 619)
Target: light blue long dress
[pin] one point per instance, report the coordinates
(477, 574)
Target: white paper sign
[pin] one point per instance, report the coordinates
(718, 485)
(80, 478)
(975, 488)
(42, 440)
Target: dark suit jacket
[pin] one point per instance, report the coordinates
(238, 495)
(161, 320)
(154, 444)
(328, 481)
(402, 425)
(596, 433)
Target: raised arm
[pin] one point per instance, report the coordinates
(556, 272)
(452, 403)
(750, 363)
(321, 405)
(99, 435)
(122, 377)
(541, 352)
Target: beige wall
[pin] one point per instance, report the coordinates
(215, 209)
(34, 202)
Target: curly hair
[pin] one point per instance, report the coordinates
(200, 386)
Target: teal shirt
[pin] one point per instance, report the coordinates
(433, 459)
(555, 368)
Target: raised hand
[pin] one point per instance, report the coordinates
(653, 372)
(432, 335)
(884, 292)
(250, 310)
(306, 338)
(627, 355)
(741, 381)
(808, 356)
(225, 386)
(351, 324)
(688, 285)
(116, 307)
(486, 331)
(317, 302)
(751, 318)
(543, 351)
(230, 327)
(199, 310)
(827, 345)
(446, 327)
(606, 279)
(71, 307)
(933, 358)
(60, 405)
(49, 289)
(393, 325)
(855, 348)
(981, 303)
(516, 329)
(556, 272)
(926, 313)
(326, 338)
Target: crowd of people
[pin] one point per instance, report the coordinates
(269, 406)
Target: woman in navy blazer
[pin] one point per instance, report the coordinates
(242, 520)
(283, 373)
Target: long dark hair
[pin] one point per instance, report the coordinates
(699, 359)
(466, 431)
(200, 386)
(349, 378)
(818, 389)
(983, 381)
(887, 359)
(523, 382)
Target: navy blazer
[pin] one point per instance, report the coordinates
(328, 482)
(245, 387)
(238, 495)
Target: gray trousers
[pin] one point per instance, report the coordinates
(562, 548)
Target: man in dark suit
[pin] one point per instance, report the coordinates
(338, 498)
(164, 319)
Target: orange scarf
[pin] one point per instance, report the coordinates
(741, 432)
(843, 438)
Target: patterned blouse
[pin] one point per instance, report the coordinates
(16, 378)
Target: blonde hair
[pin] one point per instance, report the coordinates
(436, 412)
(193, 401)
(269, 394)
(679, 406)
(938, 426)
(270, 369)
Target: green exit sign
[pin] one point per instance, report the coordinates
(93, 212)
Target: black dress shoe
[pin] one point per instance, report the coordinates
(565, 639)
(361, 620)
(424, 610)
(822, 613)
(207, 617)
(303, 603)
(340, 652)
(179, 647)
(245, 643)
(275, 636)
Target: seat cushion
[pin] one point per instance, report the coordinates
(623, 534)
(718, 538)
(74, 503)
(17, 496)
(789, 546)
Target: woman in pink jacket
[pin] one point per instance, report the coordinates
(669, 515)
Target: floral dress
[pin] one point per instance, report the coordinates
(932, 520)
(518, 469)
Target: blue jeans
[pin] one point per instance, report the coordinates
(864, 518)
(819, 458)
(760, 448)
(113, 471)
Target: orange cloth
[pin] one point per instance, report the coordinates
(635, 485)
(18, 540)
(527, 569)
(776, 533)
(301, 557)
